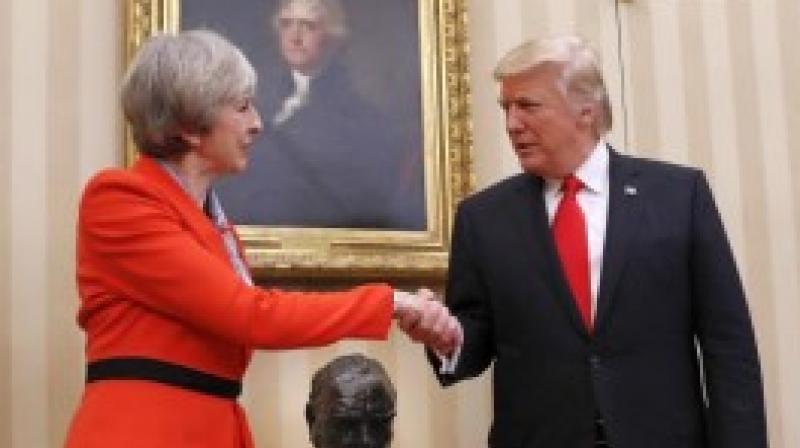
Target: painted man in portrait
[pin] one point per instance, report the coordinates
(328, 157)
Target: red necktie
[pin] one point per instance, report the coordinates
(569, 231)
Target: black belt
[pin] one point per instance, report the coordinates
(132, 368)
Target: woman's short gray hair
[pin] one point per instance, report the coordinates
(332, 13)
(177, 83)
(581, 72)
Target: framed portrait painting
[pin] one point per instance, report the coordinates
(366, 139)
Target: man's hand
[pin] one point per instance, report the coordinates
(426, 320)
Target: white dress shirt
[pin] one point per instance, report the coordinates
(593, 201)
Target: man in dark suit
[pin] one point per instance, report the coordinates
(602, 286)
(330, 157)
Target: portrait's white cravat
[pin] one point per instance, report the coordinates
(296, 100)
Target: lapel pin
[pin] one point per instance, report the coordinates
(630, 190)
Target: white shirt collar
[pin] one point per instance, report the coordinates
(593, 172)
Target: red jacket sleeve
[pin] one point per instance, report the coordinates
(136, 245)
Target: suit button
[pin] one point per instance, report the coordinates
(595, 368)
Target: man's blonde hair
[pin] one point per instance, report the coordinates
(579, 65)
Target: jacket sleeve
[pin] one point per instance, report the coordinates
(134, 245)
(725, 332)
(468, 300)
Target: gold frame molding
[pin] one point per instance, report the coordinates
(447, 137)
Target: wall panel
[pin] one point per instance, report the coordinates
(708, 86)
(62, 186)
(782, 226)
(5, 224)
(29, 366)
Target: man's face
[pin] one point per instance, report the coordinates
(550, 136)
(302, 35)
(358, 414)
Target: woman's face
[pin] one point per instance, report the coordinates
(225, 146)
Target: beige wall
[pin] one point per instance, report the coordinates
(58, 67)
(720, 92)
(707, 82)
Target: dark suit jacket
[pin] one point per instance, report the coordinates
(669, 285)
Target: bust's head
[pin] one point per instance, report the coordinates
(351, 405)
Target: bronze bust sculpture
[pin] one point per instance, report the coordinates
(351, 405)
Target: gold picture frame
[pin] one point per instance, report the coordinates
(275, 251)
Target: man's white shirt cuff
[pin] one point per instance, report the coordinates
(449, 363)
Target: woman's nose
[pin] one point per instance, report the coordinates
(256, 126)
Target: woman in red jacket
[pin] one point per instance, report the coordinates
(168, 306)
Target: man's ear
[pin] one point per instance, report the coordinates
(587, 114)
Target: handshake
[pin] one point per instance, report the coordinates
(426, 320)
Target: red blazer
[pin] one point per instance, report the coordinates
(155, 281)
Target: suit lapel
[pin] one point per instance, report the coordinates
(533, 228)
(624, 207)
(196, 221)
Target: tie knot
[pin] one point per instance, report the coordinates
(571, 185)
